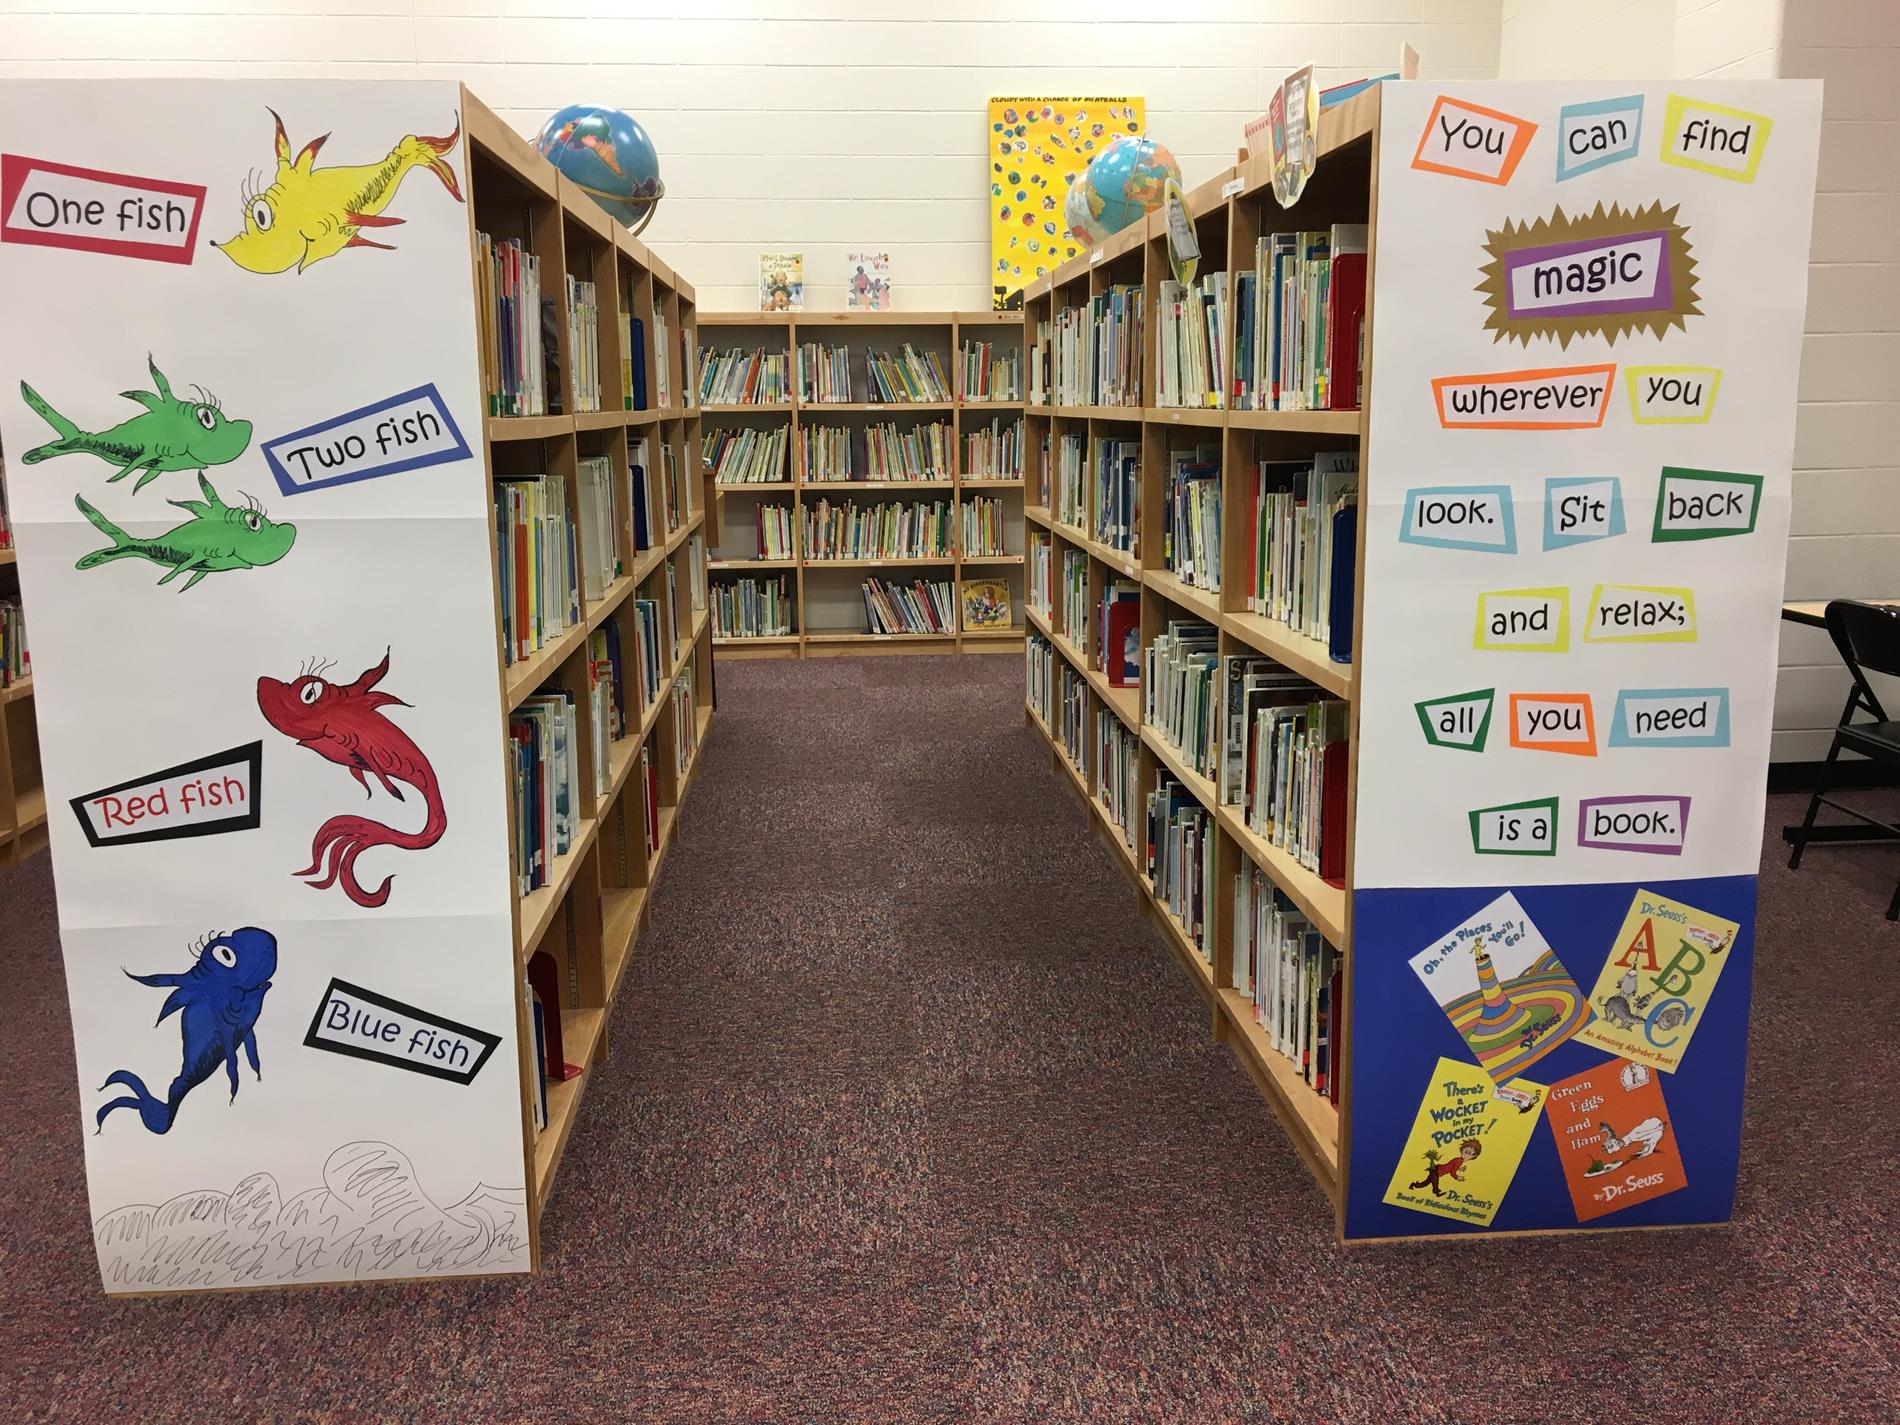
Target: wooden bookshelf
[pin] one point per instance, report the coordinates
(828, 611)
(22, 794)
(1230, 212)
(597, 898)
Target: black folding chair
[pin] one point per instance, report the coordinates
(1868, 637)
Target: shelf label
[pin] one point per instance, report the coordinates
(1579, 509)
(1516, 829)
(1596, 134)
(1231, 188)
(1705, 504)
(47, 204)
(1640, 613)
(1713, 138)
(205, 797)
(1469, 141)
(1549, 398)
(362, 1024)
(1461, 721)
(1672, 395)
(1655, 825)
(1460, 517)
(1670, 717)
(1523, 621)
(1095, 257)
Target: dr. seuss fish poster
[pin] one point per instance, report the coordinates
(1589, 304)
(239, 373)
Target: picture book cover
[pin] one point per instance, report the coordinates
(1466, 1142)
(781, 282)
(1614, 1138)
(1657, 980)
(1502, 987)
(986, 604)
(867, 281)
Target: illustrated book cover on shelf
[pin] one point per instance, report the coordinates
(986, 604)
(867, 281)
(781, 282)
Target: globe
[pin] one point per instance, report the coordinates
(609, 156)
(1123, 183)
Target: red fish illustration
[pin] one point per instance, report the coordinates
(343, 722)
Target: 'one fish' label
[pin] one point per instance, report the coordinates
(1639, 613)
(1470, 141)
(1705, 504)
(1670, 717)
(1461, 721)
(1523, 621)
(1579, 509)
(1554, 398)
(1672, 395)
(205, 797)
(1654, 825)
(1593, 135)
(1515, 829)
(1713, 138)
(362, 1024)
(1554, 722)
(1610, 272)
(47, 204)
(406, 432)
(1461, 517)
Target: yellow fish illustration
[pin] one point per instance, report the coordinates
(310, 213)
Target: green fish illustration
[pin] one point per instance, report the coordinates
(169, 434)
(215, 538)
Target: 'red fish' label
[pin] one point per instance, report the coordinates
(47, 204)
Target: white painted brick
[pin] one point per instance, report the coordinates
(1811, 698)
(1856, 297)
(1856, 227)
(1848, 24)
(1717, 35)
(1830, 502)
(1853, 566)
(1763, 64)
(1845, 435)
(1860, 157)
(1857, 366)
(1859, 82)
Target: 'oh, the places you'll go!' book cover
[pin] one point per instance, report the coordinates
(1502, 987)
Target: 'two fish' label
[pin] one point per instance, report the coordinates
(409, 431)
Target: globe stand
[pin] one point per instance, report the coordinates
(599, 195)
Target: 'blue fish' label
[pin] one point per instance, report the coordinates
(410, 431)
(362, 1024)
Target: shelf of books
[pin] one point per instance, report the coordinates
(1191, 565)
(602, 520)
(1252, 647)
(869, 477)
(22, 794)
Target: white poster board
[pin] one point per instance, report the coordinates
(1588, 304)
(239, 397)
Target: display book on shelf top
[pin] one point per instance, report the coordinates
(823, 603)
(595, 899)
(1230, 212)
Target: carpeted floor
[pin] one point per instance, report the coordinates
(911, 1119)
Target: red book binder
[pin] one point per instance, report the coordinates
(1123, 615)
(1332, 815)
(1344, 324)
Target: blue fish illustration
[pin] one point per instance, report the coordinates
(220, 997)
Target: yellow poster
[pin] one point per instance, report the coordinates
(1661, 970)
(1038, 147)
(1465, 1144)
